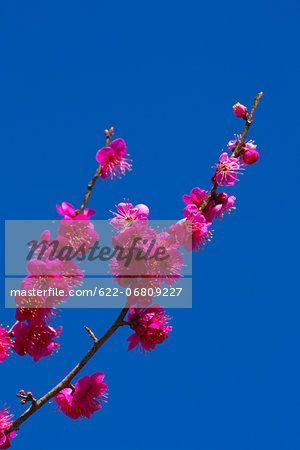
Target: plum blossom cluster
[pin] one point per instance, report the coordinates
(192, 232)
(249, 154)
(149, 258)
(203, 207)
(35, 339)
(33, 333)
(150, 326)
(84, 399)
(157, 260)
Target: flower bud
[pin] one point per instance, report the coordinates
(250, 156)
(240, 111)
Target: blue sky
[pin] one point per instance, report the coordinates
(166, 75)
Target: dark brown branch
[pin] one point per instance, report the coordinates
(124, 323)
(209, 197)
(239, 146)
(236, 152)
(67, 380)
(109, 135)
(26, 397)
(92, 335)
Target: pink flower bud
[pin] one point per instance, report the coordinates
(250, 156)
(240, 111)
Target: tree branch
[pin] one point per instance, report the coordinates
(109, 135)
(92, 335)
(66, 382)
(37, 404)
(236, 152)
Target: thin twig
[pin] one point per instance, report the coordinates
(92, 335)
(67, 380)
(109, 135)
(26, 397)
(239, 146)
(236, 152)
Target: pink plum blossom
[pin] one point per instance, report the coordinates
(196, 197)
(32, 314)
(49, 285)
(84, 399)
(131, 245)
(5, 423)
(166, 267)
(51, 274)
(35, 339)
(56, 260)
(38, 268)
(150, 327)
(112, 159)
(218, 206)
(136, 234)
(200, 233)
(46, 248)
(192, 232)
(182, 231)
(124, 270)
(248, 145)
(89, 392)
(5, 344)
(33, 309)
(233, 143)
(249, 154)
(226, 173)
(66, 403)
(240, 111)
(77, 234)
(127, 214)
(69, 212)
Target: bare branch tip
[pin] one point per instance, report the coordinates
(92, 335)
(26, 397)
